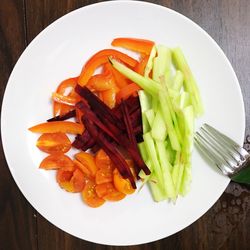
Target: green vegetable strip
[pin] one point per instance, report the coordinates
(171, 110)
(162, 63)
(168, 121)
(178, 81)
(166, 169)
(157, 192)
(145, 124)
(149, 65)
(150, 114)
(147, 84)
(159, 130)
(151, 151)
(189, 80)
(145, 100)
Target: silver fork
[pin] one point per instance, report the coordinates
(232, 159)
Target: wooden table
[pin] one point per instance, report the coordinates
(224, 226)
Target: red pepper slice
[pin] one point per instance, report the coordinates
(127, 91)
(139, 45)
(100, 58)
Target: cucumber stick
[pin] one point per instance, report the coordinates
(189, 81)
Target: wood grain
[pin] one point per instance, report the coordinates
(17, 222)
(225, 225)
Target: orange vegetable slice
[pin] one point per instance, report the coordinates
(84, 169)
(58, 126)
(54, 143)
(101, 82)
(103, 161)
(139, 45)
(90, 196)
(56, 161)
(63, 178)
(121, 184)
(99, 59)
(109, 96)
(78, 181)
(88, 161)
(108, 192)
(103, 175)
(127, 91)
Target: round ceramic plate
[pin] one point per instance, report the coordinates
(58, 53)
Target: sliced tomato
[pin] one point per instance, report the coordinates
(90, 196)
(58, 126)
(63, 178)
(54, 143)
(84, 169)
(122, 185)
(108, 192)
(88, 161)
(103, 175)
(103, 161)
(78, 181)
(56, 161)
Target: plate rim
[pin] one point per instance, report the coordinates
(51, 26)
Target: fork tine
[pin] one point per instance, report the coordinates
(212, 153)
(236, 150)
(227, 152)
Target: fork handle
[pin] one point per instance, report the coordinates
(243, 176)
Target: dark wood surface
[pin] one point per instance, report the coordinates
(224, 226)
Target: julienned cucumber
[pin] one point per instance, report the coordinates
(170, 101)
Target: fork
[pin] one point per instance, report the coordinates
(232, 159)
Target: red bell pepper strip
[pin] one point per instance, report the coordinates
(140, 67)
(99, 59)
(126, 92)
(135, 44)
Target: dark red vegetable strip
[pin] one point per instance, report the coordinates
(70, 114)
(110, 150)
(99, 107)
(130, 132)
(84, 141)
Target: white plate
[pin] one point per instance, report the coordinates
(58, 53)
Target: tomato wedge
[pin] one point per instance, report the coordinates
(72, 181)
(122, 185)
(78, 181)
(54, 143)
(103, 175)
(58, 126)
(103, 161)
(82, 167)
(108, 192)
(63, 178)
(99, 59)
(56, 161)
(139, 45)
(88, 161)
(90, 196)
